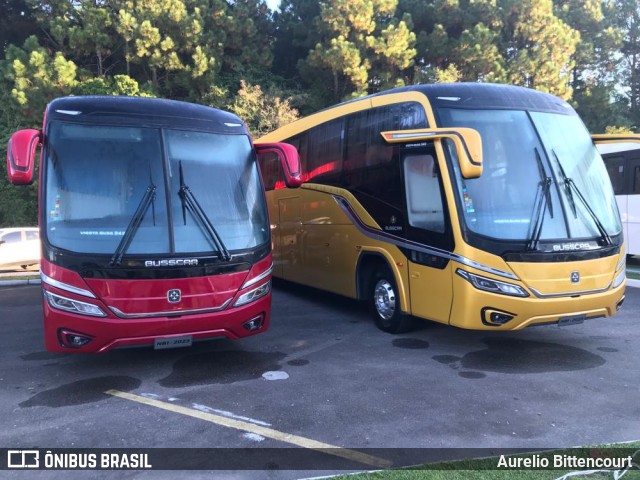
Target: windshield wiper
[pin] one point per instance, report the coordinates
(542, 202)
(134, 224)
(569, 186)
(189, 202)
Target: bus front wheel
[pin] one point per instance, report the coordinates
(385, 304)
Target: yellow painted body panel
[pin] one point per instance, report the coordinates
(315, 244)
(468, 303)
(555, 278)
(431, 292)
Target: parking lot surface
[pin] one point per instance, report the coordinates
(322, 373)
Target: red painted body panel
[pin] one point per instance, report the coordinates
(149, 296)
(141, 297)
(112, 333)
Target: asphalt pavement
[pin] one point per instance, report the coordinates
(322, 373)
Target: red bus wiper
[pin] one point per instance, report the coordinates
(189, 202)
(134, 224)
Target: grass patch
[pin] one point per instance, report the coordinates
(35, 276)
(487, 468)
(633, 275)
(483, 475)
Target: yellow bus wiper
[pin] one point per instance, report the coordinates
(134, 224)
(542, 202)
(570, 185)
(189, 202)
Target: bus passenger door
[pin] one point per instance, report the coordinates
(621, 175)
(633, 206)
(430, 281)
(284, 214)
(430, 288)
(291, 238)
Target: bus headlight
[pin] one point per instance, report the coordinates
(68, 304)
(620, 278)
(253, 295)
(491, 285)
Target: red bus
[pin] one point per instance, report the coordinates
(153, 222)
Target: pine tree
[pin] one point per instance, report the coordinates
(628, 18)
(595, 73)
(363, 45)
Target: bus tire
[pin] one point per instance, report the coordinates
(385, 305)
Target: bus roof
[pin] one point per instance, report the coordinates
(486, 95)
(143, 111)
(478, 95)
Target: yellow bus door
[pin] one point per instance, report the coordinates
(431, 292)
(291, 234)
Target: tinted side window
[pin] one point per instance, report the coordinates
(324, 151)
(301, 143)
(408, 115)
(32, 235)
(371, 165)
(615, 168)
(358, 136)
(271, 170)
(365, 146)
(636, 179)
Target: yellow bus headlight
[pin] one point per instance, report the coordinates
(491, 285)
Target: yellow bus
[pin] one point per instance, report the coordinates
(475, 205)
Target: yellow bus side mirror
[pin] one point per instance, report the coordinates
(467, 141)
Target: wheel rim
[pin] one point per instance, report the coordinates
(384, 299)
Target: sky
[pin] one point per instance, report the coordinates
(273, 4)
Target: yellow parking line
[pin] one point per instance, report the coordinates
(258, 430)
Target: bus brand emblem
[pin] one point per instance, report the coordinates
(174, 296)
(575, 277)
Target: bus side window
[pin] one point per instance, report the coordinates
(636, 180)
(424, 200)
(615, 168)
(324, 155)
(271, 170)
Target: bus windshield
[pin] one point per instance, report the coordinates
(528, 156)
(96, 177)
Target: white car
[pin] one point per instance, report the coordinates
(19, 248)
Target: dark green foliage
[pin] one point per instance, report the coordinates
(268, 66)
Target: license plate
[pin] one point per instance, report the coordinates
(571, 320)
(173, 342)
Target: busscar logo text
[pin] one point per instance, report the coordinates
(172, 262)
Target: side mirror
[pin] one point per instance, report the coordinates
(467, 141)
(289, 159)
(21, 154)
